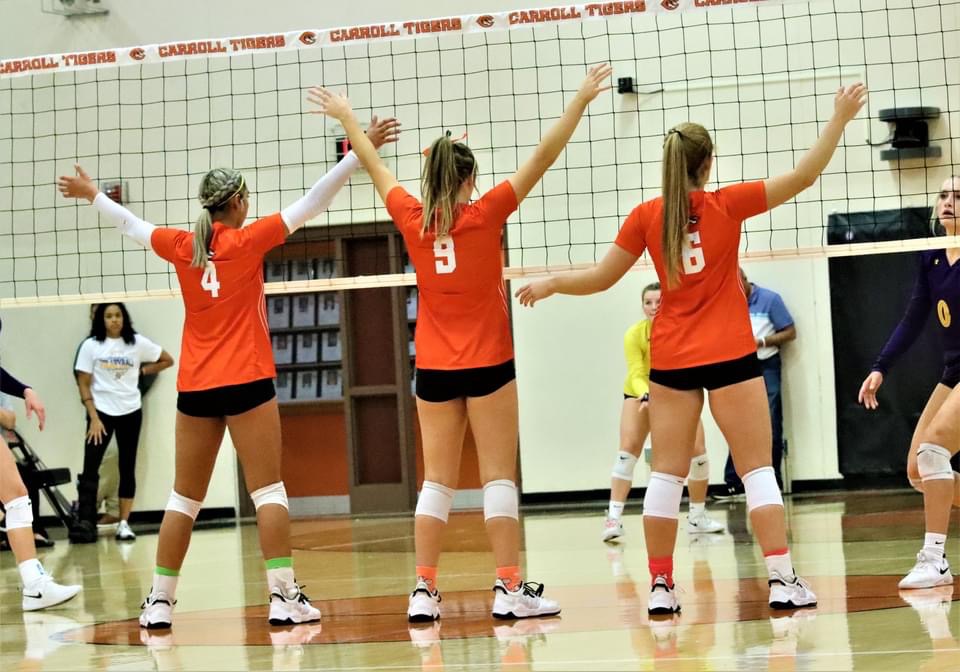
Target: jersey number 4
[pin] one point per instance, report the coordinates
(693, 261)
(209, 281)
(444, 255)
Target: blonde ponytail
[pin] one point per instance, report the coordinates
(685, 150)
(447, 167)
(216, 189)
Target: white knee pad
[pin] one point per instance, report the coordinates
(435, 501)
(624, 466)
(274, 493)
(184, 505)
(500, 500)
(663, 496)
(933, 463)
(761, 488)
(699, 468)
(19, 513)
(915, 484)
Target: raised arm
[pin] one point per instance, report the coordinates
(601, 277)
(337, 106)
(322, 193)
(782, 188)
(81, 186)
(556, 138)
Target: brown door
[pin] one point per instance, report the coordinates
(381, 458)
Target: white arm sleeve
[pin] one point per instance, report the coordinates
(128, 223)
(320, 195)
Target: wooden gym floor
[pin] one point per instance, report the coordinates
(853, 548)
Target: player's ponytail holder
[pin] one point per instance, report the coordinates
(426, 152)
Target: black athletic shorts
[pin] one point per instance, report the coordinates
(709, 376)
(645, 397)
(951, 375)
(439, 385)
(219, 402)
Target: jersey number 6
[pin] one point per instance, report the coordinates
(444, 255)
(693, 261)
(209, 281)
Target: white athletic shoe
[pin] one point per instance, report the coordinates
(292, 610)
(790, 592)
(663, 598)
(45, 592)
(526, 601)
(929, 572)
(612, 530)
(424, 605)
(703, 524)
(124, 533)
(156, 612)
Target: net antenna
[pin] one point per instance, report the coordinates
(760, 76)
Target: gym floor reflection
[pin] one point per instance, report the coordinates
(852, 547)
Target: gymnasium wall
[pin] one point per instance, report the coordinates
(569, 350)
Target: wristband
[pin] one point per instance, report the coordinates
(763, 341)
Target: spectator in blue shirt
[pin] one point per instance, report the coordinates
(772, 327)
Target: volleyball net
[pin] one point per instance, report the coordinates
(149, 121)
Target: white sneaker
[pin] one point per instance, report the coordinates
(929, 572)
(124, 533)
(790, 593)
(612, 530)
(45, 592)
(663, 598)
(291, 610)
(156, 612)
(526, 601)
(703, 524)
(424, 605)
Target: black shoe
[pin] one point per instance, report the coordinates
(729, 493)
(83, 532)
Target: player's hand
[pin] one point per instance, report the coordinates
(96, 432)
(329, 103)
(34, 405)
(77, 186)
(530, 294)
(868, 391)
(644, 402)
(593, 85)
(382, 131)
(849, 100)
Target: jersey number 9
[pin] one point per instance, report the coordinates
(444, 255)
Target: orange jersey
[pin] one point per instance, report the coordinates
(226, 340)
(462, 316)
(704, 319)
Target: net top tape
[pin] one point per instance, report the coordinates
(352, 35)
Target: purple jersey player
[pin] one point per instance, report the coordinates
(935, 439)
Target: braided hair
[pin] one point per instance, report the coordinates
(216, 189)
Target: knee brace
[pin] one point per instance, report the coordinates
(624, 466)
(184, 505)
(933, 463)
(663, 496)
(761, 488)
(435, 501)
(274, 493)
(699, 468)
(19, 513)
(500, 500)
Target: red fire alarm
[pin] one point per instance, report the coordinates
(342, 147)
(115, 191)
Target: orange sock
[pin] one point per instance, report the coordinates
(428, 574)
(510, 576)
